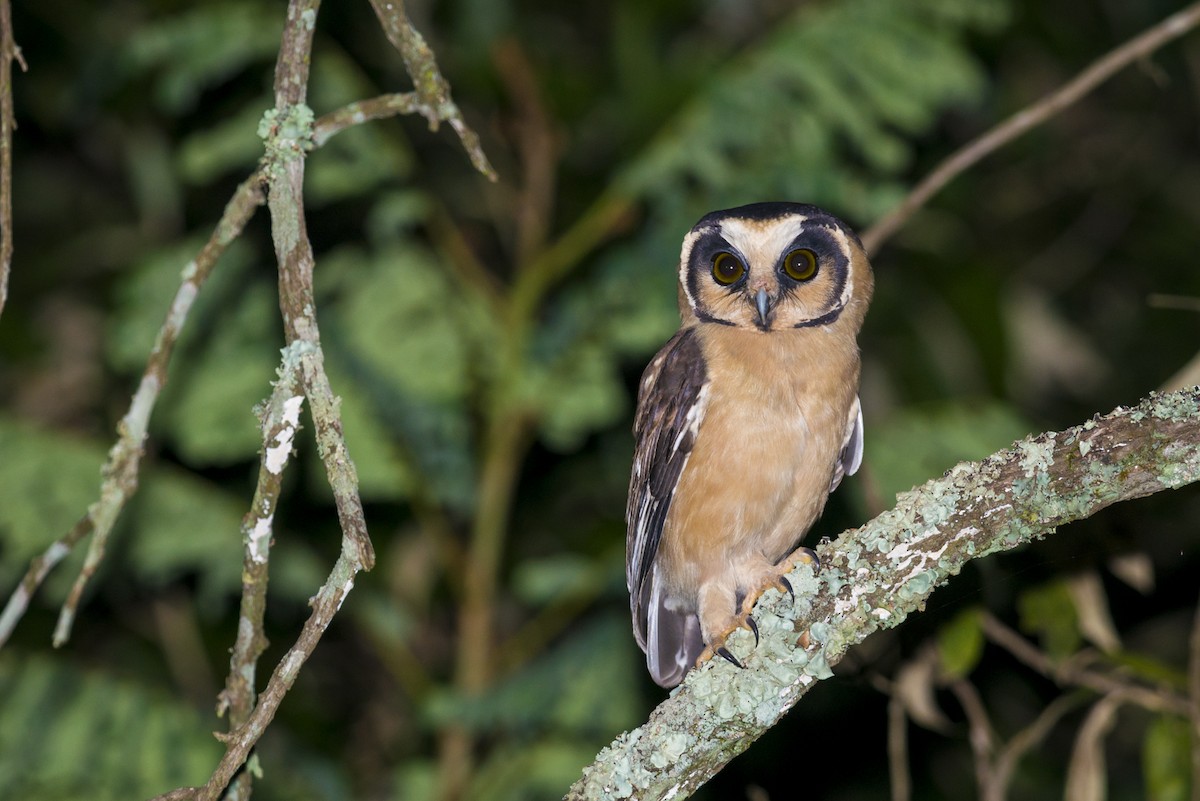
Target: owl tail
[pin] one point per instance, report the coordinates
(673, 641)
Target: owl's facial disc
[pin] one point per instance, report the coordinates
(768, 267)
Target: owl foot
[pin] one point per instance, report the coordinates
(776, 578)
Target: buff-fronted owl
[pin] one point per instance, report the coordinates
(747, 419)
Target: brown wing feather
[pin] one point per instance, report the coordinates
(670, 407)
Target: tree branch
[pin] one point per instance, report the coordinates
(280, 424)
(120, 473)
(1029, 117)
(9, 52)
(433, 91)
(873, 577)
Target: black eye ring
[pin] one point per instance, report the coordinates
(727, 269)
(800, 264)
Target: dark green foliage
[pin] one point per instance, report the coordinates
(69, 733)
(1017, 301)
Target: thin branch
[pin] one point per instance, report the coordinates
(1025, 740)
(436, 105)
(360, 111)
(1158, 699)
(287, 132)
(961, 160)
(120, 473)
(239, 743)
(280, 424)
(538, 147)
(241, 207)
(9, 52)
(897, 749)
(979, 733)
(875, 576)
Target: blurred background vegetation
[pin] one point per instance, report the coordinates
(486, 340)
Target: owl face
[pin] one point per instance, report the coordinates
(773, 267)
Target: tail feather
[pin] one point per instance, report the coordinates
(673, 641)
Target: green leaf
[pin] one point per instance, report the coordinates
(913, 446)
(69, 734)
(577, 393)
(400, 341)
(835, 86)
(174, 524)
(1167, 760)
(232, 143)
(224, 360)
(960, 643)
(531, 771)
(47, 481)
(1049, 612)
(361, 158)
(193, 51)
(539, 581)
(210, 410)
(585, 685)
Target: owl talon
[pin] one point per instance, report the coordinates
(723, 652)
(806, 556)
(750, 624)
(787, 585)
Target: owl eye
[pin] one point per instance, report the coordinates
(727, 269)
(800, 264)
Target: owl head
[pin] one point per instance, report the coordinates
(773, 267)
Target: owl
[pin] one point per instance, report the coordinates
(747, 419)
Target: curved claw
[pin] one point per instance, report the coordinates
(808, 555)
(723, 652)
(787, 585)
(753, 627)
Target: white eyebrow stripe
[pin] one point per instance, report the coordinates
(685, 258)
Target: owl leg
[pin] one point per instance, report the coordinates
(716, 623)
(718, 619)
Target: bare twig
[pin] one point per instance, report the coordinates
(1086, 780)
(1025, 740)
(1137, 48)
(280, 424)
(434, 92)
(124, 459)
(538, 148)
(287, 131)
(360, 111)
(9, 52)
(897, 750)
(875, 576)
(1158, 699)
(979, 732)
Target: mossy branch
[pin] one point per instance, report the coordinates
(873, 577)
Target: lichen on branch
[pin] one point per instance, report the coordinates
(874, 576)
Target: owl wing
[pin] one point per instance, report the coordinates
(850, 457)
(671, 402)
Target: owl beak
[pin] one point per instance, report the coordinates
(763, 303)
